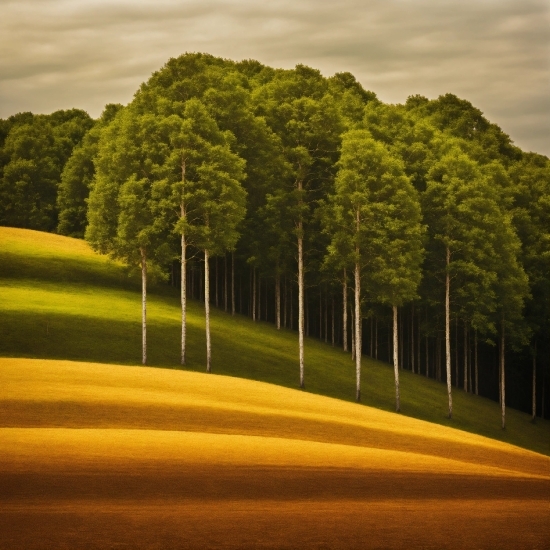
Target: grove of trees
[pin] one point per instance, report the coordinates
(307, 202)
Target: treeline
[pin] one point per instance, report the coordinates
(415, 233)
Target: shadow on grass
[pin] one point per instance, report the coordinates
(95, 271)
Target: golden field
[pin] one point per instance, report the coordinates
(107, 456)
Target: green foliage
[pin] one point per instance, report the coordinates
(300, 108)
(459, 118)
(464, 212)
(531, 217)
(76, 178)
(34, 152)
(413, 138)
(121, 213)
(225, 89)
(374, 218)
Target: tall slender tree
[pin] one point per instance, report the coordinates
(462, 211)
(192, 141)
(221, 200)
(300, 109)
(374, 220)
(121, 213)
(398, 255)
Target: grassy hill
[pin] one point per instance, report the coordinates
(107, 456)
(59, 300)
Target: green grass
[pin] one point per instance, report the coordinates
(59, 300)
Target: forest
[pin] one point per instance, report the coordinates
(415, 233)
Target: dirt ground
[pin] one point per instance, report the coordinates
(124, 462)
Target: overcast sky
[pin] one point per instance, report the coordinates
(58, 54)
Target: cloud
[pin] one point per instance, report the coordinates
(59, 53)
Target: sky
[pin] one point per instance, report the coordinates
(59, 54)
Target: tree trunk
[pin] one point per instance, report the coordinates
(542, 396)
(499, 376)
(320, 314)
(301, 303)
(389, 343)
(254, 294)
(456, 354)
(534, 402)
(278, 300)
(470, 384)
(418, 346)
(371, 337)
(345, 312)
(201, 290)
(183, 289)
(332, 323)
(376, 338)
(250, 301)
(395, 359)
(326, 317)
(401, 341)
(207, 312)
(475, 363)
(465, 355)
(412, 339)
(225, 283)
(285, 298)
(291, 307)
(216, 281)
(448, 331)
(233, 283)
(437, 358)
(325, 320)
(352, 336)
(502, 377)
(427, 342)
(357, 330)
(306, 314)
(259, 297)
(143, 306)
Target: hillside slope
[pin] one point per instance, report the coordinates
(60, 300)
(99, 456)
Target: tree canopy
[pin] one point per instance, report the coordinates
(305, 180)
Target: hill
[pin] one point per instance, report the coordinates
(60, 300)
(150, 458)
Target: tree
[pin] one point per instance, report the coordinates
(397, 260)
(77, 175)
(121, 213)
(199, 189)
(464, 214)
(374, 221)
(512, 289)
(531, 218)
(29, 183)
(299, 108)
(221, 207)
(34, 154)
(226, 88)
